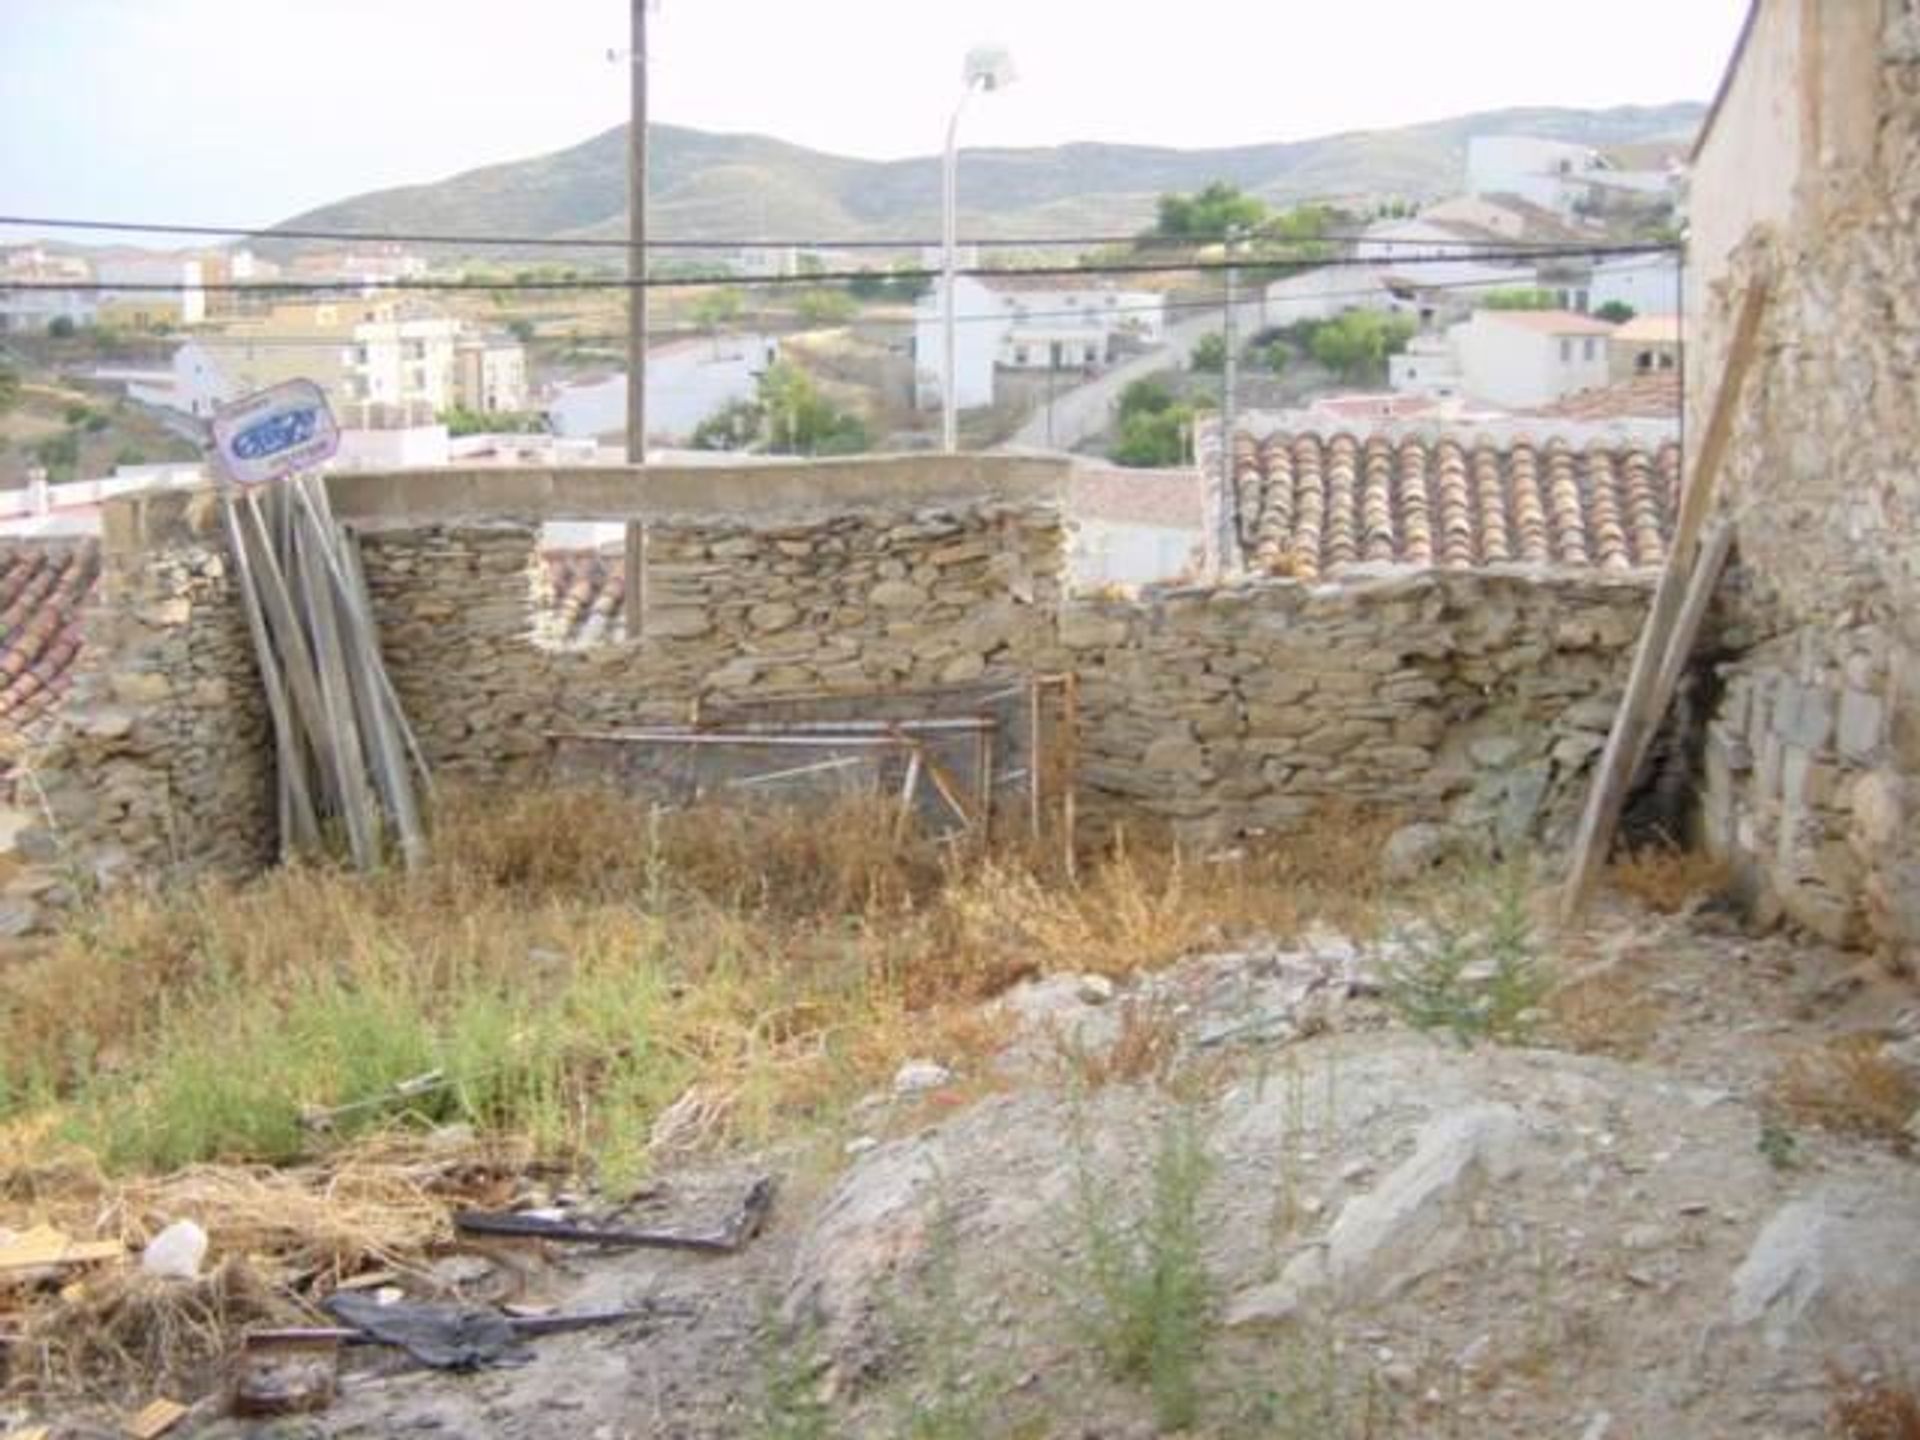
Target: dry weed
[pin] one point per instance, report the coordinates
(124, 1335)
(1607, 1008)
(1849, 1087)
(1871, 1407)
(1667, 879)
(1145, 1047)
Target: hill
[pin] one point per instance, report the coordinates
(739, 187)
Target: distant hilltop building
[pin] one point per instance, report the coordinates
(1564, 178)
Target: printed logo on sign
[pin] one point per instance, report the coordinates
(272, 434)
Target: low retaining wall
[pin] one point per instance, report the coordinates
(1477, 698)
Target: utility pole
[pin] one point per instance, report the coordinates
(637, 243)
(1229, 500)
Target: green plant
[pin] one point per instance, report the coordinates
(1153, 1300)
(1309, 1391)
(1470, 966)
(1357, 344)
(790, 1406)
(1207, 215)
(1615, 312)
(1778, 1146)
(951, 1402)
(825, 307)
(1521, 298)
(61, 327)
(1209, 354)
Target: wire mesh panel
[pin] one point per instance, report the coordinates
(988, 761)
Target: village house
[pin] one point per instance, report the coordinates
(1645, 345)
(687, 381)
(1512, 358)
(1040, 323)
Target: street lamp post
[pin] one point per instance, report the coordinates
(988, 68)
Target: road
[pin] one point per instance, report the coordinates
(1083, 411)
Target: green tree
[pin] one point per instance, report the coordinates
(802, 421)
(521, 329)
(1153, 438)
(1145, 397)
(1615, 312)
(61, 327)
(1357, 344)
(59, 454)
(9, 388)
(734, 426)
(1208, 215)
(1525, 298)
(1209, 354)
(825, 307)
(719, 306)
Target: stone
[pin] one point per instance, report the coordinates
(1833, 1267)
(1494, 752)
(1413, 850)
(772, 616)
(677, 623)
(19, 916)
(1410, 1225)
(1862, 724)
(897, 595)
(1175, 753)
(1095, 989)
(916, 1077)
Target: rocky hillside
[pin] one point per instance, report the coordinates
(742, 186)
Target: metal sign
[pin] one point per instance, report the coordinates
(268, 436)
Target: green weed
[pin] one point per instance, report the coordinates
(1471, 965)
(1153, 1300)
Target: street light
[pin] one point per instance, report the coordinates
(988, 68)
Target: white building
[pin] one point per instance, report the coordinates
(1135, 527)
(1026, 323)
(29, 312)
(1648, 284)
(1325, 293)
(490, 374)
(170, 290)
(1525, 358)
(1426, 367)
(687, 381)
(1555, 174)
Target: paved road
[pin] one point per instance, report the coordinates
(1084, 410)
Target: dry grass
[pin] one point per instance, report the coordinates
(1607, 1007)
(126, 1336)
(1667, 879)
(1871, 1407)
(1849, 1087)
(1145, 1047)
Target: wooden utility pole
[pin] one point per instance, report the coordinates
(1229, 518)
(637, 243)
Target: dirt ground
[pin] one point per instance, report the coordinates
(1402, 1236)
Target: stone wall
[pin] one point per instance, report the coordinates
(1475, 698)
(162, 757)
(1813, 760)
(872, 599)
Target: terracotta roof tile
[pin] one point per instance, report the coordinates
(1654, 396)
(583, 597)
(1312, 504)
(43, 589)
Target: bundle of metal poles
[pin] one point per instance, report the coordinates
(347, 758)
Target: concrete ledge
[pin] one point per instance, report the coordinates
(768, 491)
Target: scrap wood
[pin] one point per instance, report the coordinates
(45, 1247)
(155, 1420)
(746, 1223)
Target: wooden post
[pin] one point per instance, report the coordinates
(1645, 701)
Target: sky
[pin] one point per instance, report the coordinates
(244, 112)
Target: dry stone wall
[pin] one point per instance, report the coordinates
(162, 758)
(1477, 699)
(903, 598)
(1813, 761)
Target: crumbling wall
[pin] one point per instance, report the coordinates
(1813, 759)
(899, 597)
(1473, 698)
(162, 758)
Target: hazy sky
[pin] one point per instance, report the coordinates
(246, 111)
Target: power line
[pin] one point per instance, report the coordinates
(823, 277)
(582, 242)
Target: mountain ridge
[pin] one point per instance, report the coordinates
(743, 187)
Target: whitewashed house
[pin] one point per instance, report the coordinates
(1648, 284)
(687, 381)
(1555, 174)
(1526, 358)
(1025, 323)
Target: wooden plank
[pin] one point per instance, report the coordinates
(44, 1247)
(313, 589)
(1645, 702)
(1714, 549)
(155, 1420)
(300, 826)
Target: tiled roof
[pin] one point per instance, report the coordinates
(1169, 498)
(1550, 322)
(43, 589)
(1654, 396)
(1653, 329)
(584, 596)
(1311, 504)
